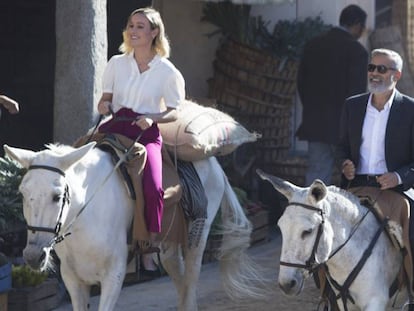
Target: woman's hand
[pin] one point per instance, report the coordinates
(104, 107)
(143, 122)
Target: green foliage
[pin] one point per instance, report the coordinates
(24, 276)
(286, 40)
(11, 206)
(232, 20)
(289, 37)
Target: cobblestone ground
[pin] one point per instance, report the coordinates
(159, 294)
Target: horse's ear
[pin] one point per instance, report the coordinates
(74, 156)
(283, 186)
(318, 190)
(22, 156)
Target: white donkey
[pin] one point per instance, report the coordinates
(327, 226)
(69, 190)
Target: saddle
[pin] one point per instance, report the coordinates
(387, 204)
(184, 197)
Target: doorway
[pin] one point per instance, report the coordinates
(27, 71)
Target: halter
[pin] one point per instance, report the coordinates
(311, 264)
(66, 199)
(65, 202)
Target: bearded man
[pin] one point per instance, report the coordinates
(376, 147)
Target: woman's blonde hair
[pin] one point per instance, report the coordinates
(160, 44)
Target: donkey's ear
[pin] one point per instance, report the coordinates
(318, 190)
(284, 187)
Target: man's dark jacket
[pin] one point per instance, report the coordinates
(333, 67)
(399, 135)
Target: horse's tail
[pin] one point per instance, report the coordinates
(242, 277)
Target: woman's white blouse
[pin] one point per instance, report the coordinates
(161, 86)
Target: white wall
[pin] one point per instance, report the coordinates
(329, 10)
(192, 51)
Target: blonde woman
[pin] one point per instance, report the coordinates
(142, 84)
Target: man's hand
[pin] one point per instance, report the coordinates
(11, 105)
(388, 180)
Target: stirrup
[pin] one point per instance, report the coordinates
(406, 305)
(148, 250)
(143, 274)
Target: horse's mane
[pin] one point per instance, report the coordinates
(346, 194)
(58, 148)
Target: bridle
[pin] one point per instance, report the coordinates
(58, 236)
(65, 202)
(311, 264)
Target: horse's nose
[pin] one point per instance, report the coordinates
(33, 256)
(288, 286)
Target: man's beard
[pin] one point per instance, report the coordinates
(378, 88)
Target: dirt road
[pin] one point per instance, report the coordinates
(159, 294)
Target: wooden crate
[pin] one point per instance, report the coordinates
(42, 297)
(260, 222)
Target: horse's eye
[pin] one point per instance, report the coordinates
(56, 198)
(306, 233)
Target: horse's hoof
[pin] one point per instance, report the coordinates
(149, 274)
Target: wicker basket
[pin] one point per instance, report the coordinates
(258, 90)
(293, 170)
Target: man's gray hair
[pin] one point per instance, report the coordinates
(394, 56)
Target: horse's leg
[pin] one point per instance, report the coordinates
(377, 304)
(111, 284)
(79, 292)
(212, 181)
(173, 262)
(193, 260)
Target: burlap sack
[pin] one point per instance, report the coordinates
(201, 132)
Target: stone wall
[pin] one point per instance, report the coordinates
(81, 55)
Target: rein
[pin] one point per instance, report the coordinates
(344, 289)
(58, 237)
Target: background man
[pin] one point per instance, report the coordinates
(377, 133)
(332, 68)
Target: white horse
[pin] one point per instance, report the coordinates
(74, 190)
(328, 226)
